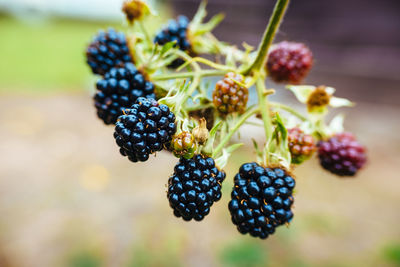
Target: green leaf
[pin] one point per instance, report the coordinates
(302, 92)
(281, 147)
(336, 124)
(226, 153)
(338, 102)
(215, 128)
(167, 47)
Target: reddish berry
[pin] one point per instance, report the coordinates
(289, 62)
(229, 96)
(342, 154)
(301, 145)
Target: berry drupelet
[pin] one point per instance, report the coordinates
(229, 96)
(301, 145)
(261, 199)
(145, 128)
(194, 187)
(289, 62)
(107, 50)
(342, 154)
(176, 30)
(118, 90)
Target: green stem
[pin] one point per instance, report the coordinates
(146, 33)
(289, 109)
(232, 131)
(264, 108)
(200, 106)
(183, 75)
(269, 34)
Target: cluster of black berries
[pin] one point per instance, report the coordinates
(107, 50)
(194, 187)
(261, 199)
(118, 90)
(342, 154)
(176, 31)
(144, 129)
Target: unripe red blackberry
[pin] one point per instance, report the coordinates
(107, 50)
(261, 199)
(118, 90)
(301, 145)
(342, 154)
(145, 128)
(194, 187)
(289, 62)
(183, 145)
(176, 30)
(229, 96)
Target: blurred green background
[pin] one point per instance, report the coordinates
(67, 198)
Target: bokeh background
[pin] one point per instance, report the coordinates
(67, 198)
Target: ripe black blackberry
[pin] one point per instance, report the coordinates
(301, 145)
(342, 154)
(118, 90)
(194, 186)
(145, 128)
(176, 30)
(229, 96)
(107, 50)
(261, 199)
(289, 62)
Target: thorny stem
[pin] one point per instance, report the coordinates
(269, 34)
(289, 109)
(183, 75)
(233, 130)
(264, 108)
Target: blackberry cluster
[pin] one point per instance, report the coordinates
(301, 145)
(107, 50)
(118, 90)
(229, 96)
(289, 62)
(194, 187)
(342, 154)
(144, 129)
(176, 30)
(261, 199)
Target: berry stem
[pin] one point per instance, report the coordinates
(183, 75)
(269, 34)
(289, 109)
(264, 108)
(250, 112)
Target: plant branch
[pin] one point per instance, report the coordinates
(184, 75)
(269, 34)
(232, 131)
(289, 109)
(264, 108)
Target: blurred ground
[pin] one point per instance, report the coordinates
(67, 198)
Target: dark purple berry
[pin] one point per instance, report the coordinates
(261, 199)
(138, 137)
(199, 191)
(117, 91)
(107, 50)
(342, 154)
